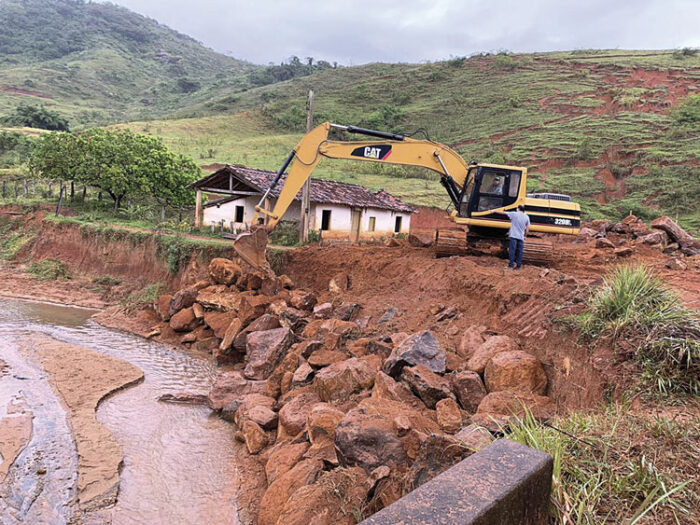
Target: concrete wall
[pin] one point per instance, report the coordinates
(341, 218)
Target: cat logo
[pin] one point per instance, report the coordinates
(378, 152)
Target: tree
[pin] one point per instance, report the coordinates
(119, 163)
(56, 156)
(37, 117)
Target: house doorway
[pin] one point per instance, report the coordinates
(325, 220)
(397, 224)
(356, 214)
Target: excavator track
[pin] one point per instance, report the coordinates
(456, 241)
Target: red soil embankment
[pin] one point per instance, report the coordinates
(428, 218)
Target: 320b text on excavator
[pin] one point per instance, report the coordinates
(478, 193)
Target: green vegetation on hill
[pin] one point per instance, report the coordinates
(99, 63)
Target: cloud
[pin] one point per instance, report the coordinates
(361, 31)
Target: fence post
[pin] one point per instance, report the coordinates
(60, 201)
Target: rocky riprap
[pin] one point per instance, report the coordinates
(344, 417)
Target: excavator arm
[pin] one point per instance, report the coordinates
(384, 147)
(393, 149)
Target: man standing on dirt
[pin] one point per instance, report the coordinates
(519, 226)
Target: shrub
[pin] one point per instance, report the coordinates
(635, 306)
(505, 62)
(49, 270)
(689, 111)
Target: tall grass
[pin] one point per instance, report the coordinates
(635, 306)
(602, 474)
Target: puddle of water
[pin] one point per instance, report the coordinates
(179, 460)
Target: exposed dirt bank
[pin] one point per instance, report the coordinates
(82, 378)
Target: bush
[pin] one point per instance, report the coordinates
(49, 270)
(37, 117)
(635, 306)
(689, 111)
(505, 62)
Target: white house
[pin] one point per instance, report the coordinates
(340, 210)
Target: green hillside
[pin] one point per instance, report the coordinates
(99, 63)
(604, 126)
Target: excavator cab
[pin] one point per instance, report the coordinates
(489, 188)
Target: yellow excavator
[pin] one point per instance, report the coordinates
(479, 193)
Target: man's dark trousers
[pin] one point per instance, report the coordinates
(515, 253)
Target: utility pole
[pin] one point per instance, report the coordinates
(304, 222)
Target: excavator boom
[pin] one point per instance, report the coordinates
(392, 149)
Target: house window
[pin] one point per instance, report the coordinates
(239, 213)
(397, 225)
(372, 224)
(325, 220)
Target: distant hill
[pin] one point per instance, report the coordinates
(98, 62)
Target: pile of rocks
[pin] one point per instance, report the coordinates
(622, 237)
(343, 416)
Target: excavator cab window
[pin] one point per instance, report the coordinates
(493, 188)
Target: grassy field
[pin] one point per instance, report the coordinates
(599, 125)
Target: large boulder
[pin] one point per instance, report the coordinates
(304, 473)
(369, 437)
(469, 389)
(289, 364)
(182, 299)
(219, 322)
(518, 371)
(488, 349)
(219, 297)
(294, 413)
(448, 415)
(437, 453)
(474, 437)
(253, 436)
(368, 440)
(419, 349)
(334, 499)
(264, 351)
(302, 300)
(184, 320)
(678, 234)
(498, 408)
(162, 306)
(230, 386)
(322, 358)
(321, 422)
(472, 338)
(427, 385)
(256, 407)
(252, 307)
(385, 387)
(283, 458)
(321, 328)
(224, 271)
(342, 379)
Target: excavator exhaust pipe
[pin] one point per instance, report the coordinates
(250, 246)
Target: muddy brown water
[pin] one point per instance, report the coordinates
(179, 459)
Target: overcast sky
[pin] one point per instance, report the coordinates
(355, 32)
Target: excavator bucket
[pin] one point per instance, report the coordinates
(250, 246)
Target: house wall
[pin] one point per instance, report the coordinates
(341, 218)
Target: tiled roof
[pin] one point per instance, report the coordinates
(322, 191)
